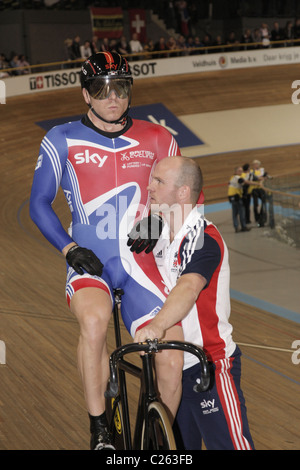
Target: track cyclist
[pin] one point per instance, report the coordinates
(104, 163)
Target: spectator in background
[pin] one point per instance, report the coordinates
(161, 46)
(14, 64)
(190, 44)
(197, 44)
(95, 45)
(297, 29)
(265, 35)
(104, 45)
(193, 7)
(68, 53)
(123, 46)
(149, 47)
(259, 194)
(135, 45)
(247, 39)
(24, 63)
(247, 176)
(218, 44)
(277, 34)
(289, 32)
(182, 45)
(232, 41)
(86, 50)
(252, 187)
(172, 46)
(113, 45)
(235, 196)
(170, 14)
(207, 41)
(183, 11)
(76, 48)
(257, 38)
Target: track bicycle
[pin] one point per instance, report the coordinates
(152, 430)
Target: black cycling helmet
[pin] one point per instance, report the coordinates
(104, 64)
(103, 72)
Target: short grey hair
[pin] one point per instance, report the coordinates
(191, 176)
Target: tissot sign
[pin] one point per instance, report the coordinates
(54, 80)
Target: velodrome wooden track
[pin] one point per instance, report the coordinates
(41, 403)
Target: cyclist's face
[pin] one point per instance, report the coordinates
(111, 107)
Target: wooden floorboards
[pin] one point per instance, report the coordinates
(41, 402)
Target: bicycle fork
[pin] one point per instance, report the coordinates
(148, 394)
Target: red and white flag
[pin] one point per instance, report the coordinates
(137, 22)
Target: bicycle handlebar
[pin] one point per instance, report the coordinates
(149, 347)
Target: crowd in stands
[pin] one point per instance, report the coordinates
(180, 44)
(17, 65)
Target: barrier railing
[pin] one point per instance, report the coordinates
(283, 195)
(66, 64)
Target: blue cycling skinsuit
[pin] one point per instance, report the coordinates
(104, 177)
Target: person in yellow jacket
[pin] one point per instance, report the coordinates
(250, 183)
(258, 194)
(235, 196)
(247, 190)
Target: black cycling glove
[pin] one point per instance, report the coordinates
(145, 234)
(83, 259)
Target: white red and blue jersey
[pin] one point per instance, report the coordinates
(104, 178)
(217, 416)
(199, 248)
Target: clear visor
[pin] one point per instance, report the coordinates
(101, 88)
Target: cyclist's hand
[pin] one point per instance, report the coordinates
(83, 259)
(145, 234)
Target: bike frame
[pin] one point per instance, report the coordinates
(145, 375)
(148, 393)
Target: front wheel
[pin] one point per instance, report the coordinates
(157, 434)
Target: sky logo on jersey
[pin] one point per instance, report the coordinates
(156, 113)
(86, 157)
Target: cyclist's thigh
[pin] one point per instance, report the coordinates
(140, 303)
(88, 294)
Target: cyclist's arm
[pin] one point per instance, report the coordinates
(166, 144)
(177, 305)
(46, 181)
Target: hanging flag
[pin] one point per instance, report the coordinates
(137, 22)
(107, 22)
